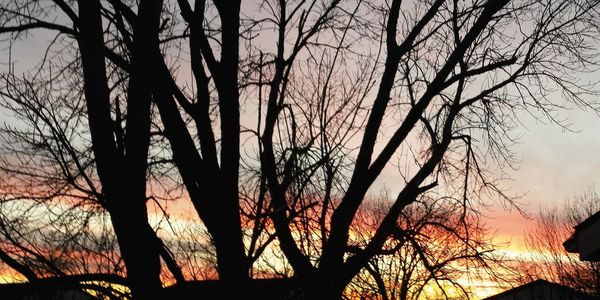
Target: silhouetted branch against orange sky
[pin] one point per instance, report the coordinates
(278, 118)
(434, 246)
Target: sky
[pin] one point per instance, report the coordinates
(558, 163)
(554, 163)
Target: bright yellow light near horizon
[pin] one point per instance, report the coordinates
(481, 288)
(512, 248)
(6, 278)
(120, 291)
(476, 290)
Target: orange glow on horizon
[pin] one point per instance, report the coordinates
(507, 228)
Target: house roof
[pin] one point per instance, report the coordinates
(541, 283)
(585, 239)
(589, 221)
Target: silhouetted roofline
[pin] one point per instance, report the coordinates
(538, 282)
(589, 221)
(584, 240)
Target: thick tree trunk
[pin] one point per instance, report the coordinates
(122, 172)
(232, 274)
(231, 257)
(223, 223)
(139, 247)
(232, 263)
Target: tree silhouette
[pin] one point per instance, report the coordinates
(53, 216)
(303, 105)
(433, 248)
(119, 145)
(549, 259)
(452, 81)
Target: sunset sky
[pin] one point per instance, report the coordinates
(554, 163)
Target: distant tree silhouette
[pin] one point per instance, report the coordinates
(548, 258)
(434, 249)
(286, 113)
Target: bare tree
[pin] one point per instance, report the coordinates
(549, 260)
(119, 136)
(54, 221)
(52, 224)
(451, 83)
(123, 70)
(433, 247)
(343, 90)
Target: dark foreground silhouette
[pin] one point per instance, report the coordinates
(71, 288)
